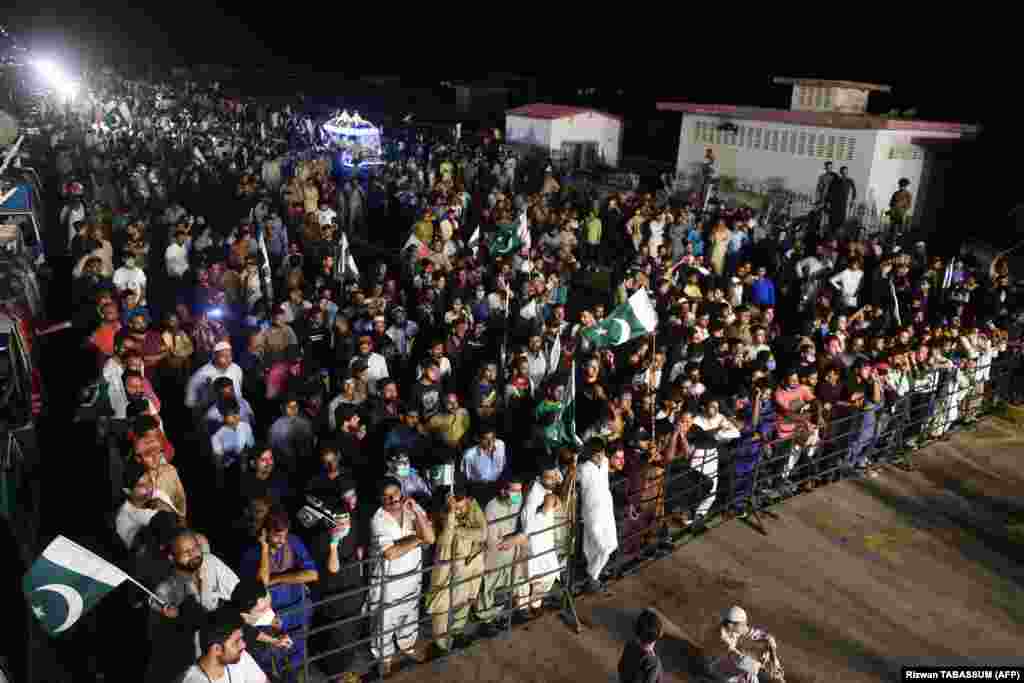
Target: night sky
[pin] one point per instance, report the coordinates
(954, 77)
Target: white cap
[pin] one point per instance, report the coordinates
(735, 615)
(221, 346)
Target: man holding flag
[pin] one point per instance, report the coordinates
(66, 582)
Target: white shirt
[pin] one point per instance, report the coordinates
(130, 521)
(113, 373)
(129, 278)
(535, 520)
(598, 509)
(199, 385)
(378, 370)
(848, 283)
(385, 531)
(176, 258)
(326, 216)
(217, 582)
(246, 671)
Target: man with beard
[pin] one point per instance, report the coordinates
(283, 563)
(261, 479)
(198, 394)
(225, 658)
(398, 531)
(600, 537)
(198, 584)
(141, 339)
(337, 550)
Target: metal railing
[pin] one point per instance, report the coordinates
(661, 506)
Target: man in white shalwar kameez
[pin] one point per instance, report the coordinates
(398, 531)
(600, 537)
(537, 517)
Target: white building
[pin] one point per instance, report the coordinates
(764, 150)
(581, 136)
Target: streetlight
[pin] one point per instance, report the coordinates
(57, 79)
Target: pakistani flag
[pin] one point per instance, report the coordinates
(506, 240)
(633, 319)
(65, 582)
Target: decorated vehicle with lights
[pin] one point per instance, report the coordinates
(357, 140)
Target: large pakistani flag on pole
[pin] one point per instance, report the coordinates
(633, 319)
(67, 581)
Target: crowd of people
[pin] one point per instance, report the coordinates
(408, 443)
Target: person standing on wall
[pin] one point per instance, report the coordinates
(899, 206)
(822, 192)
(841, 192)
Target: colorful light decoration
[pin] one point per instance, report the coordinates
(353, 133)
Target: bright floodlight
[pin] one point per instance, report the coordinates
(56, 78)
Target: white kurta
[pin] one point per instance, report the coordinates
(543, 558)
(400, 584)
(600, 538)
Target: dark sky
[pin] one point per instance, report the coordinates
(952, 75)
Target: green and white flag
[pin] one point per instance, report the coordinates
(67, 581)
(506, 240)
(633, 319)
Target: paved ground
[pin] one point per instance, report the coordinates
(854, 580)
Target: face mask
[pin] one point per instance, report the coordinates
(515, 498)
(265, 619)
(402, 470)
(771, 365)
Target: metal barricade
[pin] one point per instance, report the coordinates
(660, 506)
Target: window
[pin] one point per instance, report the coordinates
(841, 148)
(831, 148)
(828, 98)
(792, 142)
(851, 148)
(819, 150)
(803, 144)
(819, 98)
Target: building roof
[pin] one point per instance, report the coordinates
(822, 83)
(541, 110)
(826, 119)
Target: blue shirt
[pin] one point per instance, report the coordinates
(228, 443)
(762, 292)
(478, 466)
(693, 236)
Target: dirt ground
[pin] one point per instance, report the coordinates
(854, 580)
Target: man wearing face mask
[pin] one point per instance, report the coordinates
(337, 550)
(505, 552)
(600, 536)
(414, 485)
(252, 600)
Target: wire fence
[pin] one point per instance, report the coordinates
(659, 506)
